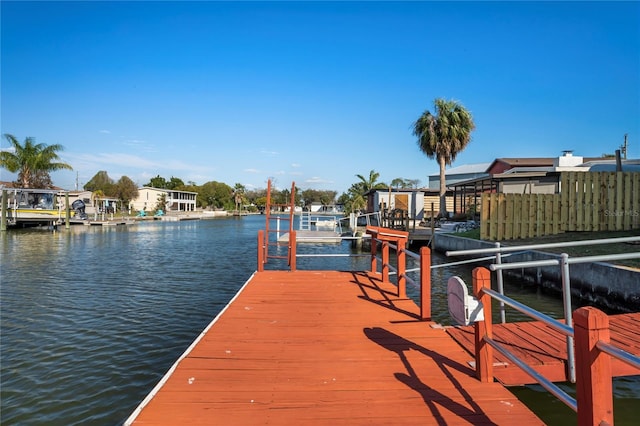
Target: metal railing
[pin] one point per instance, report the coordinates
(591, 334)
(564, 261)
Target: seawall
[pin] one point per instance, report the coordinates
(601, 284)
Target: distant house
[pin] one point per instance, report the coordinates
(416, 202)
(175, 201)
(528, 176)
(92, 204)
(317, 207)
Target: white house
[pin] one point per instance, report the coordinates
(175, 201)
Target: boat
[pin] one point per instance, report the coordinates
(329, 224)
(33, 207)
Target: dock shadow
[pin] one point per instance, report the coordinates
(370, 286)
(432, 397)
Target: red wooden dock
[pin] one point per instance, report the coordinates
(545, 349)
(325, 347)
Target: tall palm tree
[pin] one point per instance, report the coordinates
(238, 195)
(32, 161)
(443, 136)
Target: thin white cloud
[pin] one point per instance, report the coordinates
(269, 153)
(316, 179)
(252, 170)
(106, 132)
(295, 165)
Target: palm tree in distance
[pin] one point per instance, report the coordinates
(443, 136)
(32, 161)
(367, 184)
(238, 195)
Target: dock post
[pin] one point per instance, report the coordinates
(594, 385)
(67, 223)
(425, 283)
(260, 250)
(3, 219)
(483, 350)
(292, 251)
(385, 262)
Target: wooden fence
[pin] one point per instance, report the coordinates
(598, 201)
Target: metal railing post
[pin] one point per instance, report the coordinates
(402, 268)
(594, 390)
(374, 253)
(425, 283)
(500, 282)
(566, 298)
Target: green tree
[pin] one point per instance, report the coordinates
(366, 184)
(398, 183)
(443, 136)
(215, 194)
(33, 161)
(157, 182)
(125, 190)
(101, 182)
(412, 183)
(175, 183)
(161, 204)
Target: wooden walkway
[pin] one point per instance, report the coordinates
(325, 347)
(546, 350)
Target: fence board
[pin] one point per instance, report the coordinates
(627, 218)
(599, 201)
(635, 201)
(611, 201)
(580, 202)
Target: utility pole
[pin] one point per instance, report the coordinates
(623, 147)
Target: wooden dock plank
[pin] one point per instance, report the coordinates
(544, 349)
(311, 347)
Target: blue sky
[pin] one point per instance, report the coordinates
(312, 92)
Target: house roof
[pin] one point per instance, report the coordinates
(464, 169)
(468, 168)
(13, 185)
(166, 190)
(524, 162)
(531, 162)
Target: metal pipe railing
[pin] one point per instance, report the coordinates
(506, 249)
(594, 401)
(554, 389)
(570, 261)
(530, 312)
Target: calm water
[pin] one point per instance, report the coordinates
(93, 317)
